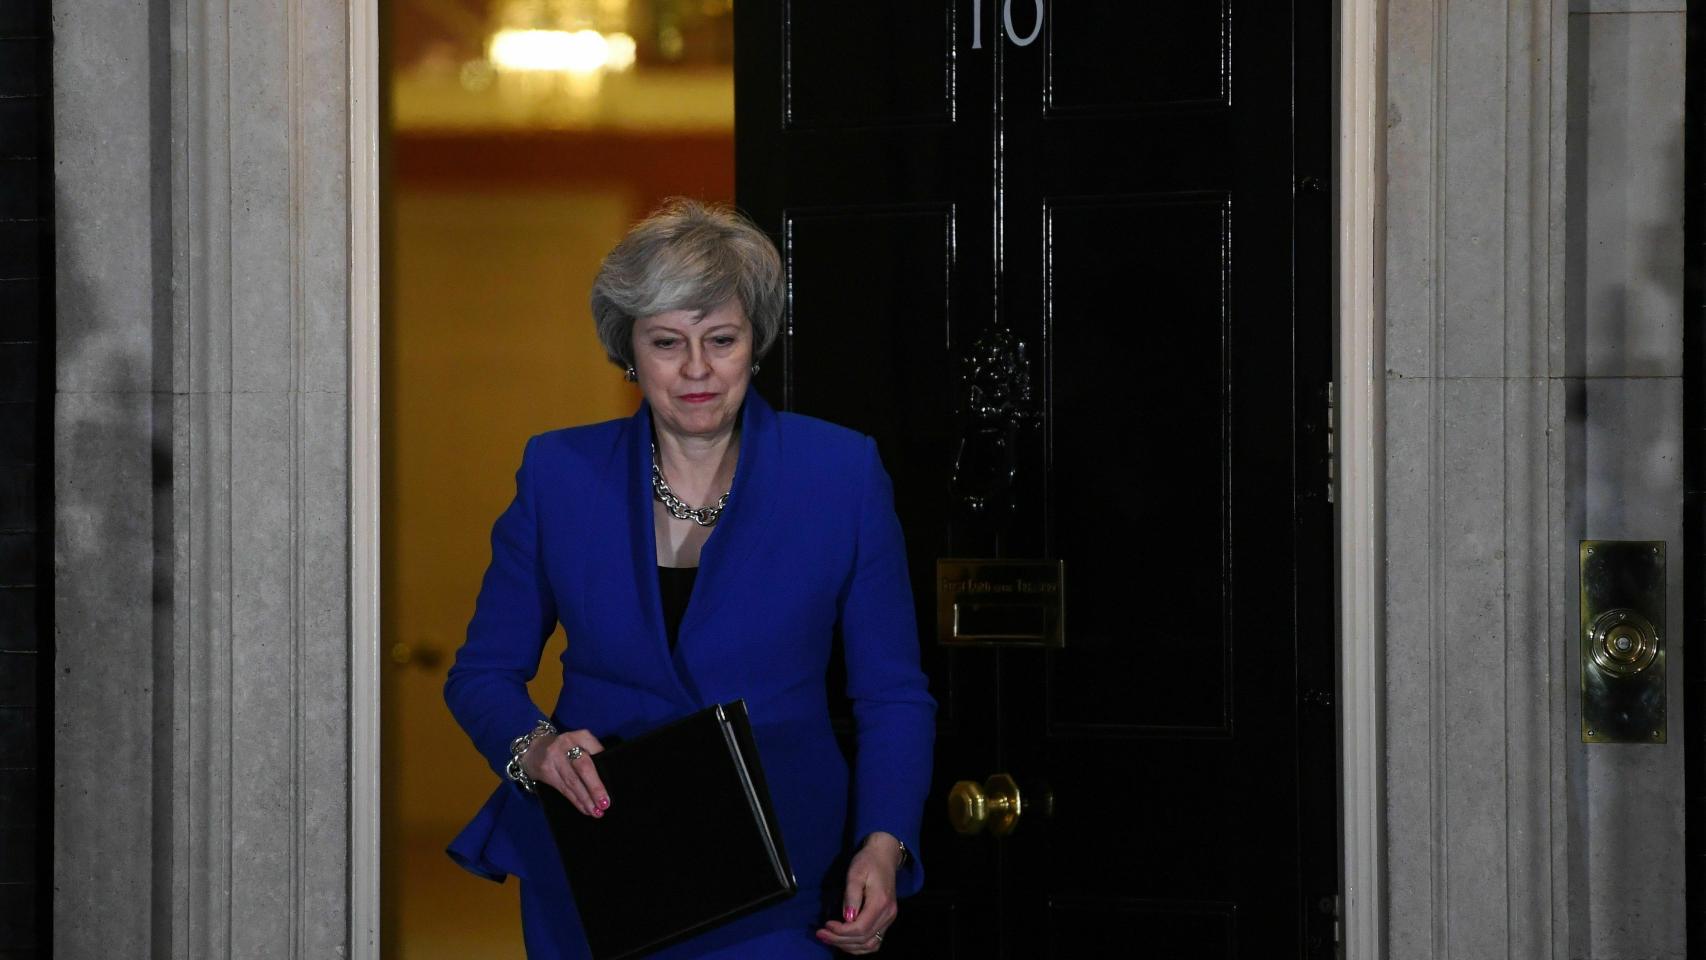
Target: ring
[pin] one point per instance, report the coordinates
(879, 937)
(575, 753)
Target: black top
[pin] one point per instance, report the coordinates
(675, 584)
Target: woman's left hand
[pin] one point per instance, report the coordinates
(868, 907)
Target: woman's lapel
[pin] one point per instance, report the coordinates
(724, 563)
(642, 534)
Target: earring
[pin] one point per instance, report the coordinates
(630, 375)
(755, 369)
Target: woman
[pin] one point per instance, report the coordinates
(704, 549)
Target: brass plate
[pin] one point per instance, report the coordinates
(1001, 602)
(1623, 641)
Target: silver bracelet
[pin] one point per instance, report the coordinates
(519, 746)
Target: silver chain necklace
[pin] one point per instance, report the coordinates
(703, 516)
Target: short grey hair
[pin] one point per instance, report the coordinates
(688, 255)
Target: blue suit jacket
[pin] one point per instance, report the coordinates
(809, 540)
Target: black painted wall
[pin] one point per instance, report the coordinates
(1694, 475)
(26, 524)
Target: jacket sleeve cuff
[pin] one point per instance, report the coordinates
(515, 723)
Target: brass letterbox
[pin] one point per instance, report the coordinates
(1001, 602)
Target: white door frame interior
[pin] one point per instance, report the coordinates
(1360, 438)
(364, 186)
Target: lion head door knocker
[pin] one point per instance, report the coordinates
(996, 405)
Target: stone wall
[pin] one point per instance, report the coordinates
(201, 478)
(1623, 299)
(1532, 399)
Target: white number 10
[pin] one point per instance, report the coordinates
(1007, 21)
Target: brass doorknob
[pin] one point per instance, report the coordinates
(995, 805)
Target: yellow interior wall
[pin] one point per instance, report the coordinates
(487, 341)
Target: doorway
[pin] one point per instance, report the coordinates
(505, 185)
(1164, 755)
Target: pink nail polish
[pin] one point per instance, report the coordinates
(598, 813)
(603, 803)
(847, 915)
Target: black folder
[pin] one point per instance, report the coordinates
(690, 840)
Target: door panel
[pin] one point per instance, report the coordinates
(1164, 928)
(1139, 331)
(883, 62)
(1111, 58)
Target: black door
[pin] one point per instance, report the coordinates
(1072, 274)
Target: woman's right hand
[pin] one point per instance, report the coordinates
(547, 761)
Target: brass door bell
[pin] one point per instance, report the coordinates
(1623, 641)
